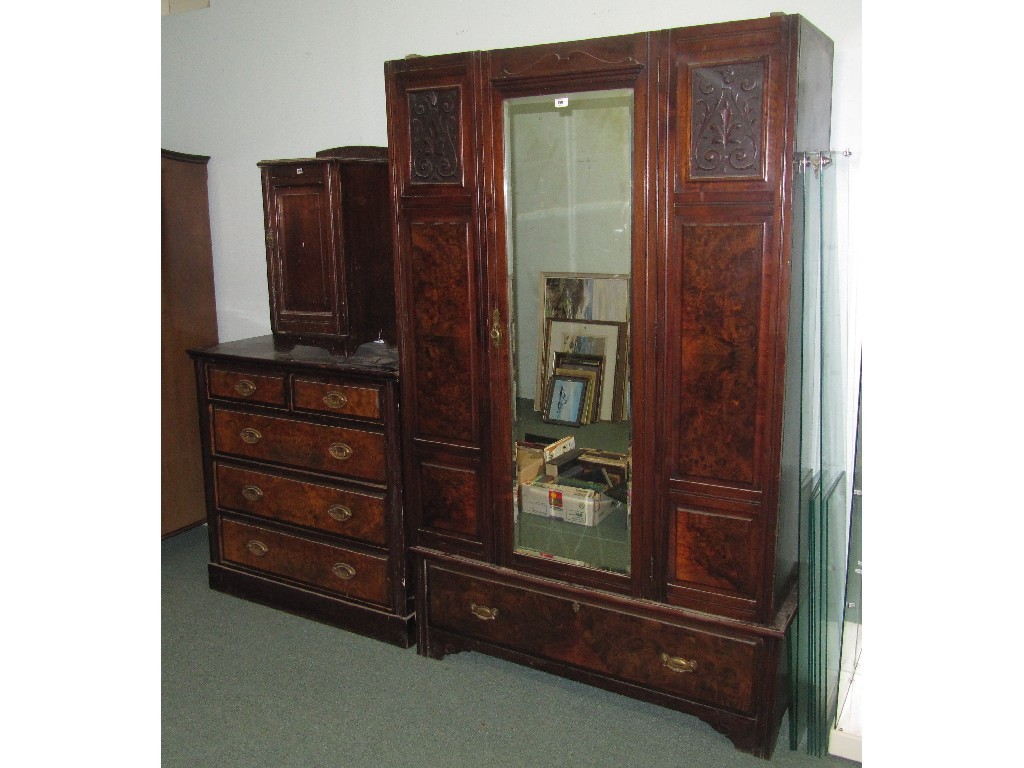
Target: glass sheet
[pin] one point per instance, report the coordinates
(816, 633)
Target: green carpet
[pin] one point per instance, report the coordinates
(250, 687)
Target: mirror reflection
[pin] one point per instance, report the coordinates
(568, 176)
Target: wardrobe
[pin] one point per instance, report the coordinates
(598, 288)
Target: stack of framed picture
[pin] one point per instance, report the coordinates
(583, 349)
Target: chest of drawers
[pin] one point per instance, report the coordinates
(303, 489)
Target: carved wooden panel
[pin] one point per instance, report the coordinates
(449, 498)
(716, 550)
(727, 121)
(443, 307)
(434, 136)
(718, 346)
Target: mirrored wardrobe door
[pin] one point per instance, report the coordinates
(568, 184)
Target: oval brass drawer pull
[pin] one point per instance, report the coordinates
(340, 451)
(343, 571)
(339, 512)
(677, 664)
(335, 400)
(250, 435)
(244, 387)
(258, 548)
(252, 492)
(483, 613)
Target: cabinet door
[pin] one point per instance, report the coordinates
(302, 249)
(726, 284)
(440, 299)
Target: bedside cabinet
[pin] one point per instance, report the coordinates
(303, 491)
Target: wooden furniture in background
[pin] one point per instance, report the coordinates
(328, 235)
(303, 489)
(699, 620)
(188, 319)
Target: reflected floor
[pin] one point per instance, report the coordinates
(604, 546)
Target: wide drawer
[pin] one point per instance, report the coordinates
(237, 385)
(326, 508)
(341, 399)
(339, 450)
(701, 665)
(321, 565)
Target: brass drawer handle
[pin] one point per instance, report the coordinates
(340, 451)
(258, 548)
(343, 571)
(250, 435)
(252, 492)
(677, 664)
(483, 613)
(244, 387)
(339, 512)
(335, 400)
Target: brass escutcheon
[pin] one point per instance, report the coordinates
(335, 400)
(340, 451)
(244, 387)
(483, 613)
(250, 435)
(496, 328)
(343, 571)
(677, 664)
(339, 512)
(252, 492)
(258, 548)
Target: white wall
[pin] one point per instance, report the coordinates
(249, 80)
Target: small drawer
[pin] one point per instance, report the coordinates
(342, 399)
(352, 453)
(296, 169)
(322, 565)
(326, 508)
(709, 667)
(236, 385)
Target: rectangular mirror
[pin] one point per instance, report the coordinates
(568, 191)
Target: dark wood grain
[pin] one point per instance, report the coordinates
(334, 398)
(329, 254)
(718, 109)
(286, 493)
(312, 562)
(300, 444)
(355, 514)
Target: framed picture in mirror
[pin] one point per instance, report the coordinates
(566, 400)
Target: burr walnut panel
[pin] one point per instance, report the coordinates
(449, 498)
(443, 305)
(716, 359)
(356, 514)
(322, 565)
(350, 452)
(717, 550)
(339, 399)
(250, 387)
(680, 660)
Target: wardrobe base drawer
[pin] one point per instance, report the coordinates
(701, 665)
(327, 566)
